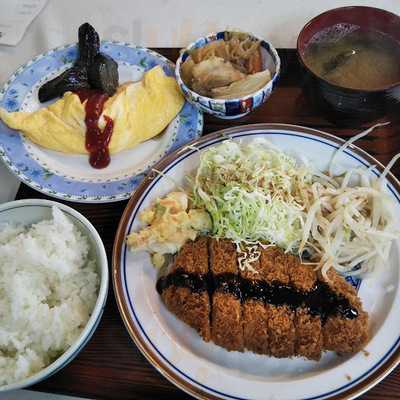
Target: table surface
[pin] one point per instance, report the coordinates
(111, 366)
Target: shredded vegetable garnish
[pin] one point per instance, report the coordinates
(252, 193)
(350, 228)
(351, 141)
(256, 194)
(169, 178)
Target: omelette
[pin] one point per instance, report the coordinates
(139, 110)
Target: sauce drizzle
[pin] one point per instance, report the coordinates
(97, 140)
(320, 301)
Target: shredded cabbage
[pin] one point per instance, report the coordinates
(252, 193)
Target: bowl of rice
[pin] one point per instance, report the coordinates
(53, 289)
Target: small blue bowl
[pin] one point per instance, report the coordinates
(232, 108)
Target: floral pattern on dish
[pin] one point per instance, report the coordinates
(17, 93)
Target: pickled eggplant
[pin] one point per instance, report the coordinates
(92, 70)
(103, 74)
(72, 79)
(89, 45)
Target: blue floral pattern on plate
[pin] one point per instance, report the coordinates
(31, 172)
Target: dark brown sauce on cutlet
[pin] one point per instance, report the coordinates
(321, 300)
(179, 278)
(228, 283)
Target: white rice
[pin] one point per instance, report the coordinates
(48, 289)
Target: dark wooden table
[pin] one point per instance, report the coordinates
(110, 366)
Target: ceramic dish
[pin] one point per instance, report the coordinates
(27, 212)
(233, 108)
(70, 177)
(210, 372)
(349, 103)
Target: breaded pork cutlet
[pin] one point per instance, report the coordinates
(278, 330)
(281, 330)
(341, 334)
(279, 307)
(226, 314)
(308, 327)
(255, 315)
(191, 306)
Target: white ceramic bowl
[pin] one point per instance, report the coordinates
(28, 212)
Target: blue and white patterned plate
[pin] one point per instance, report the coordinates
(70, 177)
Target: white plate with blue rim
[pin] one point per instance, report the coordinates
(207, 371)
(70, 177)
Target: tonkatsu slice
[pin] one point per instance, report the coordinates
(278, 307)
(187, 296)
(226, 310)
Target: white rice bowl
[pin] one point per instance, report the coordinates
(49, 285)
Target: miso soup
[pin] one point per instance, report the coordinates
(358, 59)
